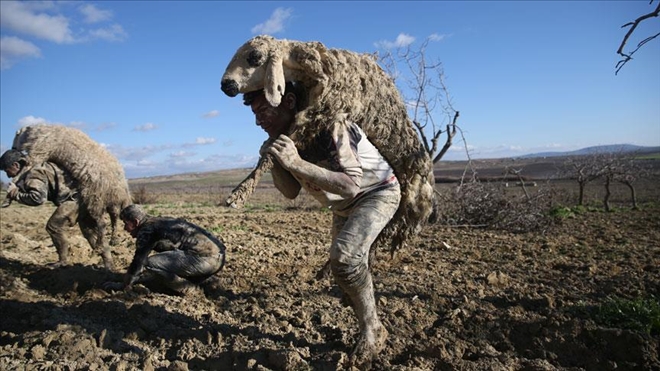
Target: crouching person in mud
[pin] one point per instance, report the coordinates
(343, 170)
(33, 186)
(186, 254)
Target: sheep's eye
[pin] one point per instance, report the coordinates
(255, 59)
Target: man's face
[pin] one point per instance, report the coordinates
(130, 226)
(274, 120)
(13, 170)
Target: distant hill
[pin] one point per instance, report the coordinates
(541, 165)
(612, 148)
(535, 166)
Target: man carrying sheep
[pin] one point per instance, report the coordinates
(186, 254)
(47, 182)
(346, 173)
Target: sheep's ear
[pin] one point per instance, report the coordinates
(274, 79)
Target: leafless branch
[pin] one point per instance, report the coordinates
(633, 25)
(468, 164)
(451, 132)
(426, 81)
(517, 172)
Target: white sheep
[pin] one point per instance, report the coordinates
(97, 173)
(340, 84)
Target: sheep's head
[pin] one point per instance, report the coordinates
(256, 65)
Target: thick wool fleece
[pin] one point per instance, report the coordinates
(342, 85)
(98, 174)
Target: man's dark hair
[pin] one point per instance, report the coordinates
(291, 87)
(133, 212)
(10, 157)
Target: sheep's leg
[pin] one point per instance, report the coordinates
(244, 190)
(114, 216)
(93, 228)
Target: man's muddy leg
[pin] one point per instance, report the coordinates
(62, 219)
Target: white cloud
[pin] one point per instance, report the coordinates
(275, 23)
(437, 37)
(40, 5)
(20, 17)
(146, 168)
(105, 126)
(203, 141)
(92, 14)
(114, 32)
(31, 120)
(200, 141)
(78, 125)
(137, 153)
(13, 49)
(182, 154)
(146, 127)
(211, 114)
(402, 41)
(46, 20)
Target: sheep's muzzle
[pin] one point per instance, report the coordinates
(229, 87)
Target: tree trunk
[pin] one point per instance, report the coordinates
(633, 195)
(581, 197)
(606, 200)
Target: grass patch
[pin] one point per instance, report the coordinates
(640, 314)
(217, 230)
(562, 212)
(267, 207)
(568, 212)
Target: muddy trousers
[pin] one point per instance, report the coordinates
(352, 237)
(62, 219)
(181, 270)
(66, 216)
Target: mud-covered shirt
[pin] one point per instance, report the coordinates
(164, 234)
(45, 182)
(345, 148)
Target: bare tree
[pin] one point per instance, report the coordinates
(582, 169)
(632, 171)
(625, 169)
(610, 167)
(613, 167)
(627, 56)
(433, 113)
(428, 95)
(511, 171)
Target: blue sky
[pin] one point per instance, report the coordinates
(143, 78)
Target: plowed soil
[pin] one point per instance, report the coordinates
(454, 299)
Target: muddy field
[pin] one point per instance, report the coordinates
(454, 299)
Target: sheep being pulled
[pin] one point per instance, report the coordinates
(99, 176)
(341, 85)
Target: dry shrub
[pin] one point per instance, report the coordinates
(489, 205)
(143, 196)
(304, 201)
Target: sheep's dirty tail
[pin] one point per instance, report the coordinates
(244, 190)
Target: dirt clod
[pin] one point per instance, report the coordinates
(491, 301)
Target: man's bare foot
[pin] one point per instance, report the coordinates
(367, 347)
